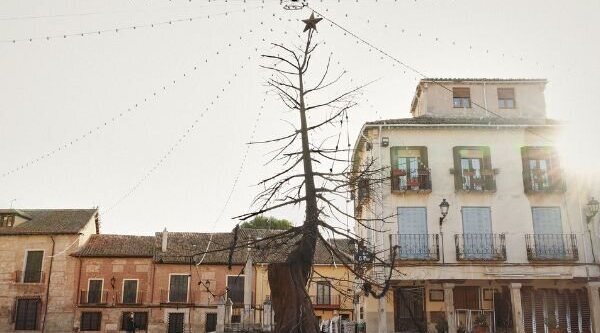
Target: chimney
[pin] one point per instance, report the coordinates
(165, 235)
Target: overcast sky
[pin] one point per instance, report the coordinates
(54, 91)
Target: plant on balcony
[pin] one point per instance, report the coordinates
(398, 172)
(413, 182)
(481, 324)
(552, 324)
(468, 172)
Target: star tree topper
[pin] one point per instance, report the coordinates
(311, 22)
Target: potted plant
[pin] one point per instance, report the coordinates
(398, 172)
(552, 323)
(441, 325)
(480, 324)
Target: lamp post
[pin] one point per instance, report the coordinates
(444, 206)
(591, 209)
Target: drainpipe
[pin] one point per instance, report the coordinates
(77, 292)
(48, 286)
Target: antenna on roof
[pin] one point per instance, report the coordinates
(11, 203)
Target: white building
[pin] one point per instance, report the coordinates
(514, 246)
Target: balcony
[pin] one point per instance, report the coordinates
(133, 299)
(30, 277)
(480, 247)
(93, 297)
(176, 297)
(478, 180)
(325, 301)
(417, 247)
(411, 181)
(552, 247)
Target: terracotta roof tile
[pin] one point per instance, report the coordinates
(120, 246)
(50, 221)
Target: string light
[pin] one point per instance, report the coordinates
(413, 69)
(102, 125)
(119, 29)
(177, 143)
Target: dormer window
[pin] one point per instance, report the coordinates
(461, 97)
(506, 98)
(7, 220)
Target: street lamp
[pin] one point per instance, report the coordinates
(444, 206)
(591, 209)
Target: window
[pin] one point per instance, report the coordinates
(26, 316)
(211, 322)
(323, 292)
(178, 288)
(461, 97)
(139, 322)
(235, 286)
(176, 322)
(94, 295)
(506, 98)
(409, 309)
(547, 229)
(130, 291)
(477, 233)
(409, 168)
(33, 267)
(473, 169)
(363, 189)
(7, 220)
(541, 169)
(90, 321)
(412, 229)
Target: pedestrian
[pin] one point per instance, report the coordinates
(130, 322)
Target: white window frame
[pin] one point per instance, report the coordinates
(101, 288)
(25, 262)
(137, 289)
(187, 294)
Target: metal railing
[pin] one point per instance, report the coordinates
(485, 247)
(465, 319)
(177, 297)
(557, 247)
(416, 246)
(30, 277)
(93, 298)
(137, 299)
(406, 181)
(478, 180)
(325, 300)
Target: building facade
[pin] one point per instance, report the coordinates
(37, 284)
(514, 251)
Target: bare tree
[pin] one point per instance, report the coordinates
(319, 189)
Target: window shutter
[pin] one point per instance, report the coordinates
(458, 181)
(526, 171)
(461, 92)
(489, 179)
(555, 172)
(506, 93)
(424, 174)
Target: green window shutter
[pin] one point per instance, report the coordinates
(458, 181)
(526, 171)
(489, 178)
(425, 174)
(555, 173)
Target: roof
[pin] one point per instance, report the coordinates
(472, 79)
(185, 248)
(427, 120)
(50, 221)
(118, 246)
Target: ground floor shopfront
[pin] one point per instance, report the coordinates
(515, 305)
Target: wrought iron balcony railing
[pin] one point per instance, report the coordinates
(93, 297)
(330, 301)
(130, 299)
(177, 297)
(30, 277)
(416, 246)
(480, 247)
(552, 247)
(406, 180)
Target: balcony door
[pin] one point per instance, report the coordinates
(412, 229)
(547, 230)
(477, 232)
(33, 267)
